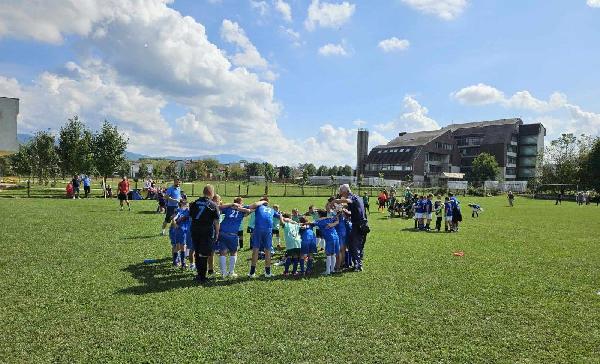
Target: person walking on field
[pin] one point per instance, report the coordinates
(87, 185)
(511, 199)
(205, 230)
(172, 196)
(75, 183)
(123, 192)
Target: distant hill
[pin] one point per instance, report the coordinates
(131, 156)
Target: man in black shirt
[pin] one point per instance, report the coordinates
(205, 229)
(360, 226)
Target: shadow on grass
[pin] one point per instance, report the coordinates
(413, 230)
(161, 276)
(142, 237)
(147, 212)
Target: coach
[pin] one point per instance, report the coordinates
(360, 225)
(205, 229)
(172, 195)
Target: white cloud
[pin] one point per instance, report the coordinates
(445, 9)
(261, 6)
(359, 123)
(561, 116)
(333, 50)
(593, 3)
(284, 9)
(248, 56)
(394, 44)
(292, 35)
(415, 118)
(328, 15)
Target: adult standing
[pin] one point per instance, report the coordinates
(87, 185)
(75, 183)
(205, 229)
(360, 225)
(123, 193)
(172, 196)
(511, 198)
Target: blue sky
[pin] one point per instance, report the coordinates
(290, 81)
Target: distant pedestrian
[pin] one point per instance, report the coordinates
(75, 183)
(87, 185)
(559, 198)
(123, 193)
(511, 199)
(366, 202)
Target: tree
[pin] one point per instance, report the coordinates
(310, 169)
(322, 171)
(212, 165)
(346, 171)
(170, 171)
(74, 147)
(591, 167)
(334, 171)
(21, 161)
(269, 171)
(108, 148)
(485, 167)
(285, 172)
(43, 157)
(255, 169)
(143, 171)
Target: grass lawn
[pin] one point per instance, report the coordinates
(75, 289)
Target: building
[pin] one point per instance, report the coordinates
(422, 156)
(362, 151)
(328, 180)
(428, 156)
(9, 109)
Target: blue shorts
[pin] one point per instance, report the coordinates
(309, 247)
(332, 246)
(228, 242)
(262, 240)
(183, 237)
(173, 236)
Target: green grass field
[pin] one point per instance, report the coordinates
(75, 289)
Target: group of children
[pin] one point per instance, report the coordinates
(305, 235)
(448, 211)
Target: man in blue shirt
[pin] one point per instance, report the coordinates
(262, 236)
(360, 225)
(172, 196)
(87, 183)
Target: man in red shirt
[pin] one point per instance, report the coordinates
(123, 191)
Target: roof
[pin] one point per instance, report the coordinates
(481, 124)
(415, 139)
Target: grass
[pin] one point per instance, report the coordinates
(74, 289)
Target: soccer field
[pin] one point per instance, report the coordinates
(75, 289)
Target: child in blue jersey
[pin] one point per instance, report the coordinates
(276, 236)
(475, 209)
(233, 215)
(456, 213)
(173, 240)
(293, 245)
(332, 242)
(308, 243)
(420, 212)
(414, 209)
(340, 228)
(263, 235)
(183, 237)
(448, 214)
(428, 211)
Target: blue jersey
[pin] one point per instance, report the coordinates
(455, 203)
(232, 220)
(173, 192)
(183, 219)
(86, 182)
(329, 233)
(307, 235)
(448, 208)
(263, 219)
(420, 208)
(341, 227)
(428, 206)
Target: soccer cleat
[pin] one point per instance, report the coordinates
(251, 275)
(233, 275)
(358, 268)
(268, 275)
(192, 266)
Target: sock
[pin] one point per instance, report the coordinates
(415, 224)
(295, 262)
(328, 265)
(232, 260)
(252, 269)
(333, 261)
(301, 265)
(163, 231)
(182, 258)
(309, 264)
(202, 267)
(175, 258)
(267, 270)
(223, 264)
(288, 261)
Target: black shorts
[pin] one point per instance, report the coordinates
(87, 189)
(203, 244)
(318, 233)
(241, 233)
(275, 232)
(122, 196)
(170, 213)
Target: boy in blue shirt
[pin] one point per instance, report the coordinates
(340, 228)
(308, 244)
(448, 213)
(233, 215)
(183, 234)
(332, 242)
(428, 211)
(262, 235)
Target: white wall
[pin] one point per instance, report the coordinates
(9, 109)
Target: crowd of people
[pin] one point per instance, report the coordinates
(206, 227)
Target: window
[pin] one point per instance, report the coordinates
(511, 160)
(529, 139)
(511, 171)
(444, 146)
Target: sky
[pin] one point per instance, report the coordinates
(290, 81)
